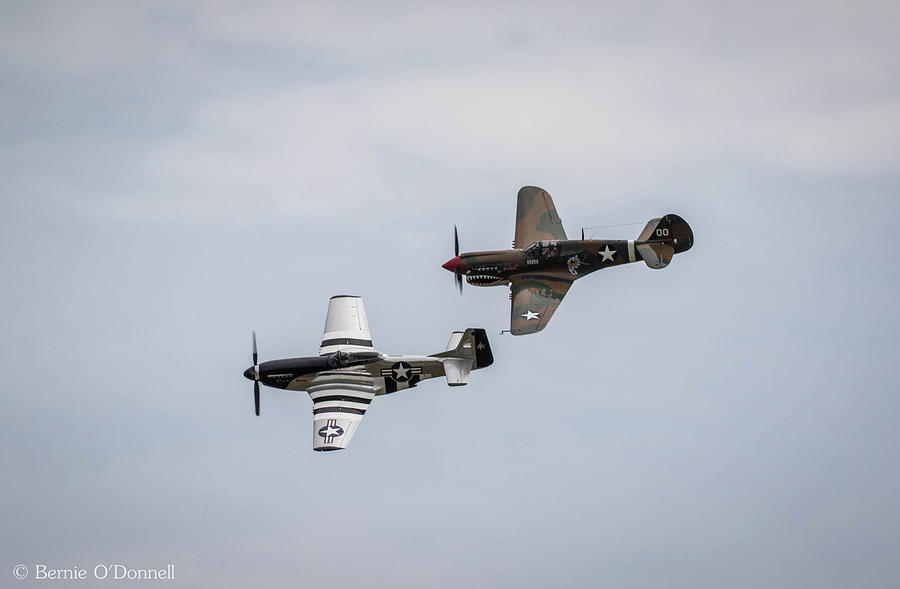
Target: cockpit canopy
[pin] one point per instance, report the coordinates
(538, 249)
(344, 359)
(552, 249)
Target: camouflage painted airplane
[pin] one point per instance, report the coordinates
(348, 373)
(542, 268)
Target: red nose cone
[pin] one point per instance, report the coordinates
(452, 265)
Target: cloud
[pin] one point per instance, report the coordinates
(627, 115)
(179, 175)
(582, 91)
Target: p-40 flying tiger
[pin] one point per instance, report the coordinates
(542, 268)
(348, 373)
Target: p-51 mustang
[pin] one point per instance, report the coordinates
(540, 274)
(349, 373)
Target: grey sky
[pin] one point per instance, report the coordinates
(175, 176)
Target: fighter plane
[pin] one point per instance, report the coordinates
(348, 372)
(544, 262)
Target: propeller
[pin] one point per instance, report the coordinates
(453, 264)
(458, 276)
(253, 374)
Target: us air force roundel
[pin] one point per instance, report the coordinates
(401, 375)
(331, 431)
(402, 371)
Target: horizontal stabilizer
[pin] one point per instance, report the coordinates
(457, 371)
(466, 351)
(455, 338)
(662, 238)
(656, 255)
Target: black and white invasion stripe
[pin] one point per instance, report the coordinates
(342, 395)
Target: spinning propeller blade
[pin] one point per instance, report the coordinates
(457, 275)
(256, 395)
(255, 375)
(453, 264)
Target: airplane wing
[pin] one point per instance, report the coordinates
(536, 217)
(346, 326)
(340, 400)
(534, 300)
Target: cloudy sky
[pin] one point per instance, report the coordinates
(175, 175)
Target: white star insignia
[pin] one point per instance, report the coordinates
(331, 430)
(401, 372)
(529, 316)
(607, 255)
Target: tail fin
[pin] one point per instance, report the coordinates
(466, 351)
(662, 238)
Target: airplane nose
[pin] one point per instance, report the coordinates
(452, 265)
(249, 374)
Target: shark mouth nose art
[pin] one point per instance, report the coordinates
(482, 278)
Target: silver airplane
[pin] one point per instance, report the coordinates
(349, 373)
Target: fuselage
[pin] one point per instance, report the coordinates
(297, 374)
(569, 259)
